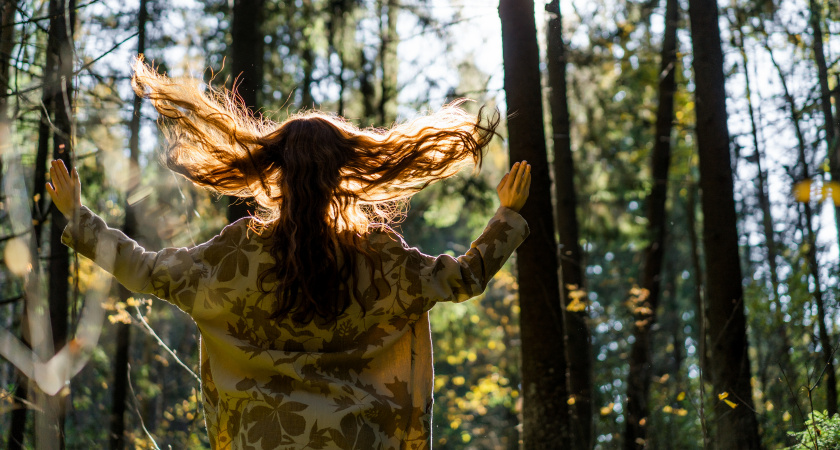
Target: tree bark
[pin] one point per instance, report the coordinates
(545, 413)
(388, 62)
(246, 55)
(578, 337)
(120, 382)
(736, 428)
(641, 365)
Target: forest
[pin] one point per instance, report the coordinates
(679, 287)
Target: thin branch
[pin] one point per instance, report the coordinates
(137, 410)
(6, 301)
(162, 344)
(81, 69)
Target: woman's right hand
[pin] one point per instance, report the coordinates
(515, 185)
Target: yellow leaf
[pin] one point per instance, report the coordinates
(577, 294)
(802, 191)
(571, 400)
(723, 395)
(768, 405)
(664, 378)
(576, 306)
(681, 412)
(607, 409)
(786, 416)
(668, 409)
(681, 396)
(731, 404)
(643, 311)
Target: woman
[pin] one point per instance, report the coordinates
(314, 314)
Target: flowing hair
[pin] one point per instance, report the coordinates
(320, 182)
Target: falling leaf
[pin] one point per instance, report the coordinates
(786, 416)
(731, 404)
(668, 409)
(682, 412)
(607, 409)
(681, 396)
(571, 400)
(723, 395)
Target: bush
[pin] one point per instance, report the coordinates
(820, 428)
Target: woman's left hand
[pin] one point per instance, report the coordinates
(65, 189)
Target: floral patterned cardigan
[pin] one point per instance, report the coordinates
(362, 382)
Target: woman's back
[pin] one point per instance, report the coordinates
(361, 381)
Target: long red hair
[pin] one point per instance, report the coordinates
(320, 182)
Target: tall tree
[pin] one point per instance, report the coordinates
(639, 378)
(59, 95)
(120, 383)
(737, 428)
(545, 413)
(779, 335)
(246, 55)
(8, 9)
(831, 127)
(809, 234)
(389, 39)
(578, 338)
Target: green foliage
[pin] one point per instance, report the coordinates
(821, 432)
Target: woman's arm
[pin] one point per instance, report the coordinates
(172, 274)
(445, 278)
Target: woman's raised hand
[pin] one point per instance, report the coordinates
(515, 185)
(65, 189)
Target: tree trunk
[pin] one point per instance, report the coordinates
(831, 132)
(578, 338)
(120, 382)
(545, 411)
(778, 336)
(246, 56)
(811, 255)
(59, 57)
(639, 378)
(386, 108)
(736, 428)
(8, 8)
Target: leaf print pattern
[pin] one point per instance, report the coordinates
(363, 381)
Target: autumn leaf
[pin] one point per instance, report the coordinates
(802, 191)
(576, 305)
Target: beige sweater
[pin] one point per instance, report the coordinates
(363, 382)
